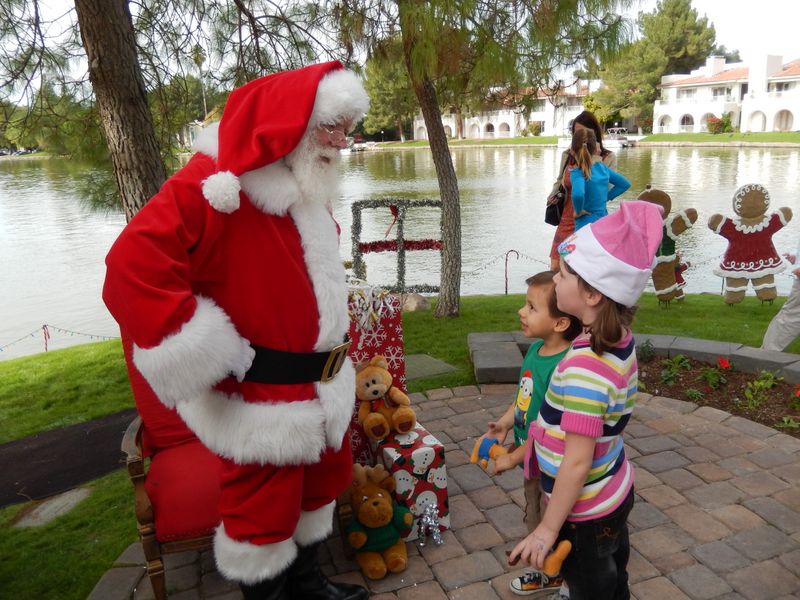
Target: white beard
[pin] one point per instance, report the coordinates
(317, 177)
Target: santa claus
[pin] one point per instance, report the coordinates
(231, 299)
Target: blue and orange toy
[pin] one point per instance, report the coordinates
(486, 448)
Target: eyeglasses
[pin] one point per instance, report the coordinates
(336, 135)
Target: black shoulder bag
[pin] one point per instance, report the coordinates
(555, 205)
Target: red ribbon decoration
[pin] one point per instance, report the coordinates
(391, 245)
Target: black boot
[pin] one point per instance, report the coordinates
(307, 582)
(268, 589)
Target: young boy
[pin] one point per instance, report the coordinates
(539, 318)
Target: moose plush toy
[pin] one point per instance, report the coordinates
(382, 407)
(375, 530)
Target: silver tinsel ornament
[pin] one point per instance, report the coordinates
(429, 523)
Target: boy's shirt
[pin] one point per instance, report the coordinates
(534, 378)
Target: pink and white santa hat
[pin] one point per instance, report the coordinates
(265, 119)
(616, 254)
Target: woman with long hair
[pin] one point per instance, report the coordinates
(585, 120)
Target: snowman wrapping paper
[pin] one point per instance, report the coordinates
(416, 460)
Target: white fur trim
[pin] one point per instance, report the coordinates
(338, 400)
(248, 563)
(320, 242)
(609, 275)
(204, 351)
(314, 525)
(276, 433)
(207, 141)
(340, 95)
(665, 258)
(222, 191)
(272, 188)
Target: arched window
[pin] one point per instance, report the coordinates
(758, 121)
(783, 121)
(687, 123)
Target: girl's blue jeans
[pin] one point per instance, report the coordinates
(596, 568)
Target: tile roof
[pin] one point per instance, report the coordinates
(790, 69)
(726, 75)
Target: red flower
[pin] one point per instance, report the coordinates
(797, 391)
(723, 363)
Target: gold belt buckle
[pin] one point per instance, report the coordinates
(335, 361)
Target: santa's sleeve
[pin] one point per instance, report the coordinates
(182, 343)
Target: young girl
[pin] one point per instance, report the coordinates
(577, 439)
(590, 180)
(585, 120)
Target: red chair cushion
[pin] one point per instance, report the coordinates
(183, 483)
(163, 427)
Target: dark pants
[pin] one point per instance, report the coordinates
(596, 569)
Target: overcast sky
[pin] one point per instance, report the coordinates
(754, 27)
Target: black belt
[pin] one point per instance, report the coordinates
(280, 366)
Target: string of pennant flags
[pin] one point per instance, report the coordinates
(45, 332)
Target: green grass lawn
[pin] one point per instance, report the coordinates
(67, 557)
(63, 387)
(767, 137)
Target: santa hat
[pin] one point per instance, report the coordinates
(264, 120)
(616, 254)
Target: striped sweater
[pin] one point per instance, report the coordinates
(589, 395)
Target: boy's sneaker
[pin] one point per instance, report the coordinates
(532, 583)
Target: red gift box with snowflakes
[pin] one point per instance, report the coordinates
(375, 328)
(416, 460)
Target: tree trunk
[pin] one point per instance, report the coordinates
(400, 130)
(107, 33)
(450, 284)
(459, 124)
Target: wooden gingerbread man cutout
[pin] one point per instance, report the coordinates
(667, 261)
(750, 255)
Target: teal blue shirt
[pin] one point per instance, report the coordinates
(593, 194)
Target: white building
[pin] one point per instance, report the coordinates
(763, 96)
(554, 115)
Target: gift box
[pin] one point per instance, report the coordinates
(376, 328)
(416, 460)
(361, 446)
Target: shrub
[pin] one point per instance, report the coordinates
(715, 125)
(534, 128)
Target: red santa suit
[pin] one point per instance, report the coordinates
(231, 253)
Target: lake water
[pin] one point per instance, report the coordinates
(52, 247)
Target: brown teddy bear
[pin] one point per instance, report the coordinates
(375, 530)
(382, 407)
(750, 256)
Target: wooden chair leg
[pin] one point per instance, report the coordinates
(155, 571)
(155, 562)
